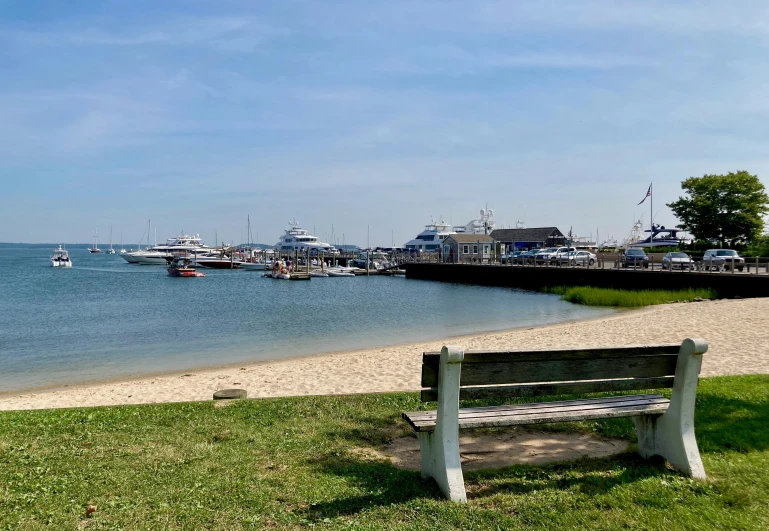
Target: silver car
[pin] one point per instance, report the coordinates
(577, 258)
(722, 259)
(677, 261)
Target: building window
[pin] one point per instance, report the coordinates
(465, 249)
(475, 249)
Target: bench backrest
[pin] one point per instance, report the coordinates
(553, 372)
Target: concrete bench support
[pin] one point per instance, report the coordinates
(671, 435)
(440, 448)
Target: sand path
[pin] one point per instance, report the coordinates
(736, 331)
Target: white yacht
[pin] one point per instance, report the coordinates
(60, 258)
(298, 239)
(483, 225)
(160, 254)
(429, 240)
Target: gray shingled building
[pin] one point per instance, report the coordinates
(533, 238)
(467, 248)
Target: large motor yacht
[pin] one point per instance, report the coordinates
(429, 240)
(181, 245)
(298, 239)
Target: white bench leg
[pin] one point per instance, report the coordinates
(440, 449)
(671, 435)
(440, 461)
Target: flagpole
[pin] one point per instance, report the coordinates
(651, 216)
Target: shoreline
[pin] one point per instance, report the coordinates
(734, 329)
(250, 364)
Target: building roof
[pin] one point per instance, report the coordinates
(537, 234)
(470, 238)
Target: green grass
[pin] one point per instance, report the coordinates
(289, 464)
(621, 298)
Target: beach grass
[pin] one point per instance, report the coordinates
(294, 463)
(622, 298)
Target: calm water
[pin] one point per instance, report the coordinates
(105, 318)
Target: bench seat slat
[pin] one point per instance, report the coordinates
(550, 389)
(497, 373)
(566, 411)
(540, 405)
(529, 409)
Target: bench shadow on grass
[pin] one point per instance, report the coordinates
(386, 484)
(722, 424)
(383, 483)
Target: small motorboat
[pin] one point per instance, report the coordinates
(339, 273)
(60, 258)
(318, 273)
(252, 266)
(183, 267)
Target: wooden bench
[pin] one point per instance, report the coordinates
(665, 427)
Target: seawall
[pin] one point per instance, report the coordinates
(536, 278)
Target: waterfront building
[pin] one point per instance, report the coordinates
(533, 238)
(459, 248)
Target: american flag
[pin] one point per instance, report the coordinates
(648, 193)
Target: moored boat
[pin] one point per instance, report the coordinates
(183, 267)
(253, 266)
(299, 240)
(60, 258)
(339, 273)
(95, 249)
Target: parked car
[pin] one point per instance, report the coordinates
(677, 260)
(577, 258)
(556, 257)
(545, 255)
(510, 257)
(526, 257)
(722, 259)
(634, 258)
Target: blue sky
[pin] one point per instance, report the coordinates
(369, 115)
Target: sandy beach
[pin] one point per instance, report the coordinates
(736, 331)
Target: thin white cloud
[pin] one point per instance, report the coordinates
(230, 34)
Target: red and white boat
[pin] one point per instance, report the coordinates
(183, 267)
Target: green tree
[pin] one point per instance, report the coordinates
(729, 208)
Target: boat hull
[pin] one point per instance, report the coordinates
(340, 274)
(151, 260)
(252, 266)
(656, 243)
(218, 264)
(57, 263)
(184, 273)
